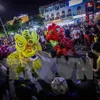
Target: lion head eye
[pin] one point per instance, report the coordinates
(30, 42)
(20, 44)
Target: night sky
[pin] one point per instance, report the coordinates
(11, 8)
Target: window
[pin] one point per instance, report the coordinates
(69, 13)
(52, 16)
(74, 2)
(63, 14)
(79, 10)
(57, 15)
(56, 6)
(46, 9)
(51, 8)
(48, 18)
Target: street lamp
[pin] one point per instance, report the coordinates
(2, 9)
(3, 27)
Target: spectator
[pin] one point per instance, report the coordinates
(67, 32)
(43, 41)
(96, 50)
(98, 32)
(76, 36)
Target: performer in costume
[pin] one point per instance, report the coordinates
(60, 43)
(96, 51)
(97, 36)
(33, 43)
(27, 46)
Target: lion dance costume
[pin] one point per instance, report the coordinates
(27, 46)
(60, 43)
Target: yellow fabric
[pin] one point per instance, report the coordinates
(98, 63)
(27, 46)
(20, 42)
(33, 45)
(35, 37)
(95, 39)
(23, 85)
(37, 64)
(28, 53)
(53, 43)
(45, 33)
(39, 48)
(26, 34)
(14, 63)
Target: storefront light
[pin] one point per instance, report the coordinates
(97, 13)
(36, 26)
(72, 22)
(75, 2)
(47, 25)
(12, 33)
(79, 16)
(31, 29)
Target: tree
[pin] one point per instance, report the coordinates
(13, 28)
(38, 19)
(2, 34)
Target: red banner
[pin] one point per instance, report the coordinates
(89, 10)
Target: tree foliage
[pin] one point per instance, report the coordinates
(13, 28)
(38, 19)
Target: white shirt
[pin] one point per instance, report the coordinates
(75, 34)
(42, 39)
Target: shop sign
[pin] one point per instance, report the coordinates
(97, 5)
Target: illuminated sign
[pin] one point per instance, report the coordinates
(11, 22)
(79, 16)
(23, 18)
(58, 20)
(98, 7)
(75, 2)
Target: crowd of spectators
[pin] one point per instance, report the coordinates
(60, 88)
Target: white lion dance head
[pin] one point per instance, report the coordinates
(59, 85)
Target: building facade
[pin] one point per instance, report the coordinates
(68, 11)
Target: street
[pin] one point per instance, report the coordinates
(66, 69)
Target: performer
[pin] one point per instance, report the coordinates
(97, 36)
(96, 51)
(25, 57)
(60, 43)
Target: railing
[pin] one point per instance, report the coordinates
(65, 17)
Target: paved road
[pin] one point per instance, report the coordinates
(66, 69)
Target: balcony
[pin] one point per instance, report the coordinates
(64, 17)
